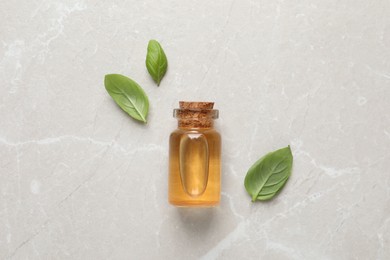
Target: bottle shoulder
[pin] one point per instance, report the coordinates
(195, 130)
(210, 134)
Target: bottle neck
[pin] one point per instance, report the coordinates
(195, 123)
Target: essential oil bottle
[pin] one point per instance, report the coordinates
(195, 156)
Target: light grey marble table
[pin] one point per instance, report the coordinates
(79, 179)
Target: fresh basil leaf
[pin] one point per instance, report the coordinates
(268, 175)
(156, 61)
(128, 95)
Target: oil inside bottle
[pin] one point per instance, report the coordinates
(194, 167)
(194, 163)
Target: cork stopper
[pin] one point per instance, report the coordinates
(196, 105)
(196, 114)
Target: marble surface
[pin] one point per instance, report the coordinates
(79, 179)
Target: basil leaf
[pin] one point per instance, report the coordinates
(128, 95)
(268, 175)
(156, 61)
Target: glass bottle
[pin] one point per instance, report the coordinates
(195, 157)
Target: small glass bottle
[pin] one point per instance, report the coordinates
(195, 157)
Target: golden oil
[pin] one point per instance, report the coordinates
(195, 157)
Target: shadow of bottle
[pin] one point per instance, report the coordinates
(197, 219)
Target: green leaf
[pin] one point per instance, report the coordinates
(156, 61)
(269, 174)
(128, 95)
